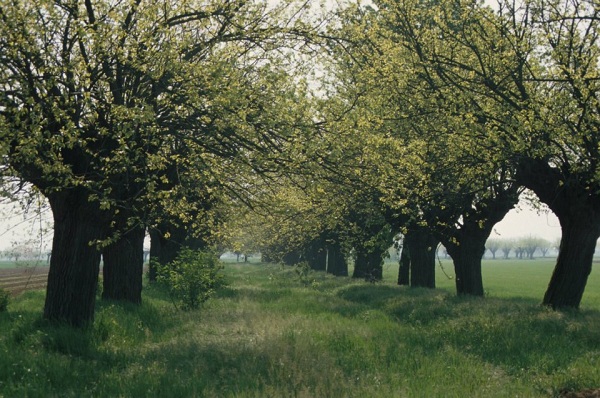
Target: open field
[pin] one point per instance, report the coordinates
(526, 279)
(273, 333)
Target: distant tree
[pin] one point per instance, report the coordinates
(493, 245)
(20, 251)
(545, 246)
(530, 244)
(506, 245)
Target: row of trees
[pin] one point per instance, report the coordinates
(141, 115)
(524, 247)
(469, 105)
(199, 122)
(439, 114)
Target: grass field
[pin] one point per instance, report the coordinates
(272, 333)
(526, 279)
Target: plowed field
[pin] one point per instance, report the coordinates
(17, 280)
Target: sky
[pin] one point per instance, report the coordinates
(525, 221)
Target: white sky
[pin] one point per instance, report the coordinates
(524, 222)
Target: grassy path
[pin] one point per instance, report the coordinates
(273, 334)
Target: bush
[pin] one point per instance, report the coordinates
(4, 299)
(191, 278)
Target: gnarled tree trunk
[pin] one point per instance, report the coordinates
(466, 255)
(466, 243)
(577, 206)
(75, 262)
(574, 262)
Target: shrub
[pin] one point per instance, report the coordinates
(303, 273)
(4, 299)
(191, 278)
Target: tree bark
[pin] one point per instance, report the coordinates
(574, 262)
(336, 260)
(123, 267)
(75, 262)
(421, 244)
(466, 255)
(404, 266)
(316, 255)
(368, 265)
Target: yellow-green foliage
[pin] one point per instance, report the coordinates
(191, 278)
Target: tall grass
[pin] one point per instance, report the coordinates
(268, 334)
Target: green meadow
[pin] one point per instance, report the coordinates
(276, 332)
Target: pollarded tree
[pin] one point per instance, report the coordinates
(506, 245)
(493, 245)
(544, 247)
(529, 244)
(98, 97)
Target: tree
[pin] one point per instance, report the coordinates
(544, 246)
(371, 240)
(418, 258)
(493, 245)
(529, 245)
(506, 245)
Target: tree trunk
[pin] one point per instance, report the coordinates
(316, 255)
(421, 245)
(336, 260)
(75, 263)
(368, 265)
(163, 250)
(123, 267)
(574, 262)
(404, 266)
(466, 243)
(466, 255)
(292, 258)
